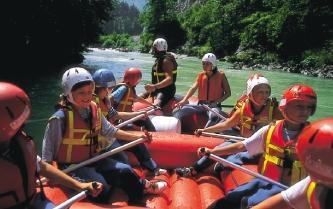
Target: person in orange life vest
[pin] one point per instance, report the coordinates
(104, 83)
(72, 135)
(213, 88)
(19, 162)
(164, 74)
(256, 111)
(276, 142)
(314, 148)
(124, 95)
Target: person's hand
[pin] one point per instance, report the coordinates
(94, 188)
(202, 151)
(147, 136)
(150, 87)
(198, 132)
(181, 103)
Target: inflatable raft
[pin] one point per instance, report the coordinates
(170, 150)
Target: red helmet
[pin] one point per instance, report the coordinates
(298, 92)
(315, 150)
(15, 109)
(132, 76)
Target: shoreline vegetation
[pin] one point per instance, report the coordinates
(241, 60)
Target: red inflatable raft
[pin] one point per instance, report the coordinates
(170, 150)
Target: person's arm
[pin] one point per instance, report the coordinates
(52, 139)
(128, 136)
(57, 176)
(143, 101)
(189, 93)
(129, 115)
(118, 94)
(275, 202)
(226, 89)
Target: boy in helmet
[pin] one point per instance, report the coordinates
(124, 95)
(255, 111)
(19, 162)
(105, 82)
(72, 136)
(314, 148)
(164, 74)
(213, 88)
(276, 142)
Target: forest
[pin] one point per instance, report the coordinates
(46, 34)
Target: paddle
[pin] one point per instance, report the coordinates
(120, 125)
(213, 111)
(224, 136)
(72, 200)
(245, 170)
(101, 156)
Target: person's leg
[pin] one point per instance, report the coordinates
(41, 202)
(213, 119)
(244, 190)
(149, 126)
(162, 98)
(186, 111)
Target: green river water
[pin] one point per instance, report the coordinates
(44, 92)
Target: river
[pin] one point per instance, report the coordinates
(44, 91)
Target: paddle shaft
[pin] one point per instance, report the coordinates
(213, 111)
(245, 170)
(120, 125)
(72, 200)
(104, 155)
(224, 136)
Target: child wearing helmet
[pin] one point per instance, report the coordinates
(213, 88)
(276, 142)
(19, 156)
(105, 82)
(255, 110)
(124, 95)
(164, 74)
(314, 149)
(72, 135)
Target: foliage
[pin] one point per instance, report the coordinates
(116, 40)
(46, 33)
(160, 20)
(319, 57)
(124, 19)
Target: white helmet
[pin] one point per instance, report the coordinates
(255, 80)
(73, 76)
(160, 44)
(209, 57)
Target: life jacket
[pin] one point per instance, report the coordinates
(103, 105)
(210, 88)
(249, 122)
(319, 196)
(279, 160)
(80, 140)
(126, 103)
(18, 179)
(158, 74)
(238, 104)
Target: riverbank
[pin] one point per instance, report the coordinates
(324, 72)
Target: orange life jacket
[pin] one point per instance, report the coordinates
(279, 161)
(238, 104)
(315, 193)
(126, 103)
(210, 88)
(18, 180)
(80, 141)
(249, 122)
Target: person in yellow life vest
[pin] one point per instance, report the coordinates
(19, 162)
(105, 82)
(124, 95)
(72, 135)
(213, 88)
(255, 110)
(163, 74)
(314, 149)
(276, 142)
